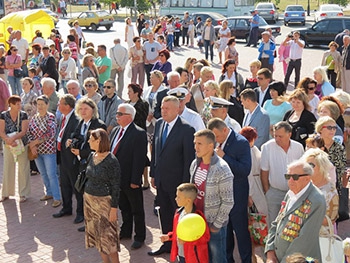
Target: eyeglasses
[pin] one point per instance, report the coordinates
(15, 49)
(138, 40)
(119, 114)
(294, 176)
(313, 88)
(66, 52)
(89, 85)
(329, 127)
(107, 87)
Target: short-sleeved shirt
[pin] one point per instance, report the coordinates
(11, 126)
(275, 160)
(152, 50)
(276, 113)
(255, 18)
(105, 61)
(13, 60)
(22, 46)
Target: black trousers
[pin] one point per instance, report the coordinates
(253, 36)
(132, 210)
(332, 76)
(265, 64)
(296, 65)
(168, 206)
(177, 39)
(148, 69)
(68, 177)
(184, 35)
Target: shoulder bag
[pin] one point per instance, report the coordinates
(82, 179)
(19, 148)
(17, 72)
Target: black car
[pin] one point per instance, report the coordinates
(240, 27)
(216, 18)
(324, 31)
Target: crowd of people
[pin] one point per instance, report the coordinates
(218, 144)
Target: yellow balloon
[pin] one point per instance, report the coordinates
(191, 227)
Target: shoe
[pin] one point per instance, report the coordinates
(61, 213)
(247, 45)
(56, 203)
(123, 236)
(22, 199)
(136, 245)
(158, 252)
(46, 197)
(78, 219)
(145, 187)
(4, 198)
(32, 173)
(81, 229)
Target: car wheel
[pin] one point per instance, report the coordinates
(70, 24)
(93, 27)
(87, 27)
(108, 27)
(303, 23)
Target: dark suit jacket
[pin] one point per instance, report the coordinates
(160, 96)
(237, 156)
(266, 97)
(236, 111)
(170, 164)
(142, 108)
(131, 154)
(65, 156)
(347, 56)
(85, 150)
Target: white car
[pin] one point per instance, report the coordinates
(327, 11)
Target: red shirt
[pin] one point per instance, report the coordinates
(200, 179)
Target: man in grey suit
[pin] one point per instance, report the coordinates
(256, 116)
(297, 226)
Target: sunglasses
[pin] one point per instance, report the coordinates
(89, 85)
(66, 52)
(119, 114)
(15, 49)
(294, 176)
(329, 127)
(311, 88)
(107, 87)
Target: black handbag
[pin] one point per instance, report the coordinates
(17, 72)
(80, 182)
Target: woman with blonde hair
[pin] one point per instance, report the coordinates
(227, 92)
(332, 60)
(211, 89)
(320, 178)
(91, 87)
(66, 68)
(323, 88)
(189, 67)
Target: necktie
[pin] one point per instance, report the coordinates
(61, 133)
(84, 129)
(118, 141)
(165, 134)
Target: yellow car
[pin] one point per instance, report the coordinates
(93, 19)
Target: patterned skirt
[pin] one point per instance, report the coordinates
(99, 232)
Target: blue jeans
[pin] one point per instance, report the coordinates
(47, 166)
(24, 70)
(170, 40)
(207, 45)
(217, 246)
(15, 84)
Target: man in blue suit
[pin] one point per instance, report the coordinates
(235, 150)
(256, 117)
(172, 155)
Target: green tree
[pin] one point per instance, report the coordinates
(339, 2)
(142, 5)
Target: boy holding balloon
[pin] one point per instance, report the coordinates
(190, 235)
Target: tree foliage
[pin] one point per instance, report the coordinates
(142, 5)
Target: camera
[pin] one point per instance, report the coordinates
(76, 143)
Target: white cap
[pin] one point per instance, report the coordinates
(179, 92)
(217, 103)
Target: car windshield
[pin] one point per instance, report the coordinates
(295, 8)
(264, 7)
(330, 8)
(262, 21)
(102, 13)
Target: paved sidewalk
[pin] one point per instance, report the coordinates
(29, 233)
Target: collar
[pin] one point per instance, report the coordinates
(252, 112)
(224, 143)
(295, 197)
(172, 123)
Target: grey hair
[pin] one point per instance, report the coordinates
(172, 74)
(128, 109)
(321, 159)
(73, 81)
(307, 168)
(50, 82)
(283, 124)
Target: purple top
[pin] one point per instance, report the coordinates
(164, 68)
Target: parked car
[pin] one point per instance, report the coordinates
(94, 19)
(240, 27)
(216, 18)
(324, 31)
(328, 11)
(268, 11)
(294, 14)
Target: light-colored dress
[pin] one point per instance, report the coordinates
(223, 40)
(130, 35)
(276, 113)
